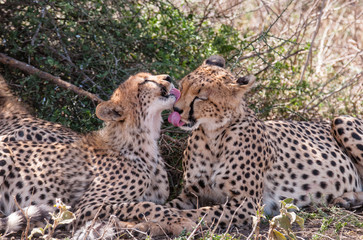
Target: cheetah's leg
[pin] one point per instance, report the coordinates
(6, 163)
(6, 168)
(349, 200)
(348, 132)
(16, 220)
(150, 217)
(184, 201)
(237, 212)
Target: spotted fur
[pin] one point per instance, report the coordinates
(114, 171)
(235, 162)
(18, 124)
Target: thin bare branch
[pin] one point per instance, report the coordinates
(351, 81)
(47, 76)
(25, 214)
(312, 40)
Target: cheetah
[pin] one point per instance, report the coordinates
(348, 131)
(235, 162)
(116, 170)
(17, 123)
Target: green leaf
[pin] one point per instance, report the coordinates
(36, 231)
(67, 217)
(278, 235)
(288, 200)
(283, 221)
(300, 221)
(291, 206)
(292, 216)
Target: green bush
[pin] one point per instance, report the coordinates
(96, 45)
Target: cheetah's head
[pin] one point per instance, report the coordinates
(139, 101)
(210, 96)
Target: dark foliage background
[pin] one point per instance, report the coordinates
(96, 45)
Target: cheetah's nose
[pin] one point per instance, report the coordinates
(167, 78)
(178, 110)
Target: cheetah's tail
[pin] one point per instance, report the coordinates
(16, 221)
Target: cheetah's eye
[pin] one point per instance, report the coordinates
(163, 91)
(202, 98)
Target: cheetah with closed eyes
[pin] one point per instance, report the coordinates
(114, 171)
(234, 161)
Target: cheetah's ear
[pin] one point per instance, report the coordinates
(243, 84)
(216, 60)
(246, 82)
(109, 111)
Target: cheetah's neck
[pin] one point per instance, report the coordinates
(130, 140)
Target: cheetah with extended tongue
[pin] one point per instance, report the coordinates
(116, 170)
(233, 160)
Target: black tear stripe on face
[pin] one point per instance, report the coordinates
(191, 119)
(163, 89)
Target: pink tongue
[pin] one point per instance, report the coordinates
(176, 93)
(174, 118)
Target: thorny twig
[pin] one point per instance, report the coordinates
(261, 35)
(93, 222)
(330, 80)
(312, 40)
(351, 81)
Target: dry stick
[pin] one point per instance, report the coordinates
(93, 222)
(38, 28)
(127, 230)
(77, 69)
(196, 228)
(47, 76)
(330, 80)
(284, 58)
(324, 48)
(166, 137)
(234, 214)
(353, 213)
(26, 217)
(312, 41)
(256, 225)
(173, 168)
(263, 33)
(260, 53)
